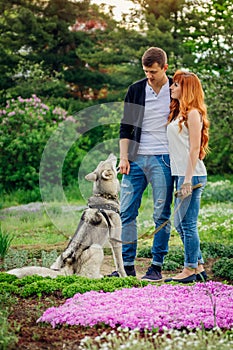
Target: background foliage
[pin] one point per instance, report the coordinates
(73, 55)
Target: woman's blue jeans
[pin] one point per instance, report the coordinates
(185, 220)
(144, 170)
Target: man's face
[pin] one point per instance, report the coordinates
(155, 73)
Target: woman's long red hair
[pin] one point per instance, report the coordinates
(192, 97)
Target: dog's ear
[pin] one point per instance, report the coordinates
(107, 174)
(91, 177)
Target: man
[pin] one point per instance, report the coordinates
(144, 159)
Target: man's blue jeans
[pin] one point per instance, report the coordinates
(144, 170)
(185, 220)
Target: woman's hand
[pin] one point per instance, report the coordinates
(186, 190)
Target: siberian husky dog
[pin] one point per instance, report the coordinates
(100, 225)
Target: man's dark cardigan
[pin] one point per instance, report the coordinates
(131, 123)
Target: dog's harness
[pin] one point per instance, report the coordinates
(106, 206)
(102, 207)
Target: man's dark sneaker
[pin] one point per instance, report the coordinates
(130, 270)
(113, 274)
(153, 274)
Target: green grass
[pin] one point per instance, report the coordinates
(43, 227)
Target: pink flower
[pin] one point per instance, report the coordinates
(172, 306)
(10, 114)
(70, 118)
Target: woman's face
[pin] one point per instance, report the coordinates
(175, 91)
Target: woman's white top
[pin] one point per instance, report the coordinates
(178, 143)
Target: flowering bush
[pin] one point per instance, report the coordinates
(215, 223)
(172, 306)
(169, 339)
(218, 191)
(25, 127)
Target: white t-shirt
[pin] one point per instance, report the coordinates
(179, 150)
(154, 126)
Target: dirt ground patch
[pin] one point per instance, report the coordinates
(33, 336)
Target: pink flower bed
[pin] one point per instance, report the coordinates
(172, 306)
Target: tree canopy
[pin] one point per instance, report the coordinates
(73, 54)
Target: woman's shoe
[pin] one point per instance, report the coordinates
(189, 279)
(201, 276)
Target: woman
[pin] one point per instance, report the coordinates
(188, 143)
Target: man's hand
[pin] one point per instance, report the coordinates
(124, 166)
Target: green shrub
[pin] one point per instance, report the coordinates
(174, 258)
(18, 196)
(107, 284)
(6, 287)
(39, 288)
(219, 191)
(26, 125)
(74, 288)
(214, 250)
(224, 268)
(6, 277)
(144, 252)
(68, 285)
(21, 282)
(171, 265)
(66, 280)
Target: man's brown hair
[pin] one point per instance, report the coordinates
(154, 55)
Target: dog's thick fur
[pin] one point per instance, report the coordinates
(100, 224)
